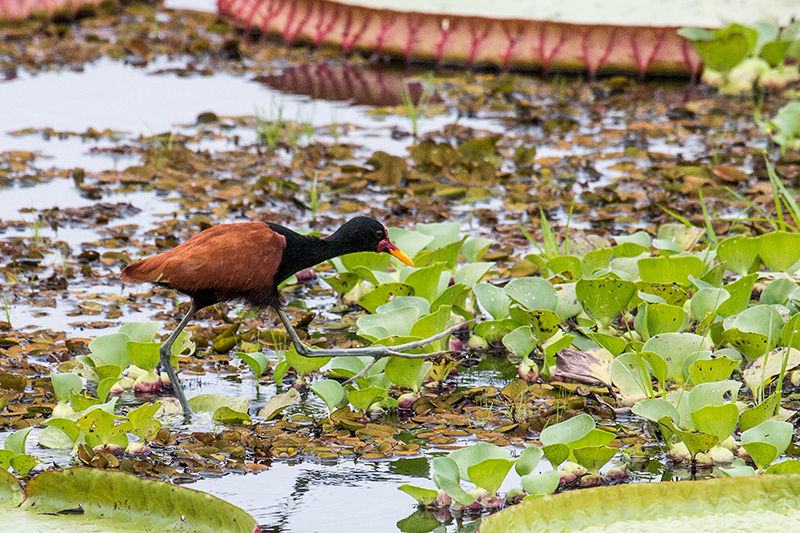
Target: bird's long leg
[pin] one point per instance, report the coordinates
(376, 351)
(166, 355)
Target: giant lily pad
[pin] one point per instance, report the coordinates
(725, 504)
(82, 499)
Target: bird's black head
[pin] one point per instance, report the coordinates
(364, 234)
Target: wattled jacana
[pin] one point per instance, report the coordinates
(247, 261)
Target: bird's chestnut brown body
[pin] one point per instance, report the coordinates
(246, 261)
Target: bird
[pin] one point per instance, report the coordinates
(246, 261)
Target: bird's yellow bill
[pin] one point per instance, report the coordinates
(398, 253)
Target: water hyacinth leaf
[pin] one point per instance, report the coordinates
(532, 293)
(595, 437)
(760, 413)
(521, 341)
(104, 387)
(568, 305)
(474, 248)
(763, 319)
(140, 331)
(257, 362)
(727, 48)
(369, 260)
(556, 453)
(776, 433)
(331, 392)
(420, 521)
(567, 431)
(363, 398)
(642, 238)
(739, 254)
(542, 484)
(278, 403)
(145, 355)
(141, 421)
(107, 371)
(422, 496)
(604, 298)
(779, 250)
(348, 366)
(528, 460)
(211, 402)
(226, 415)
(111, 349)
(763, 369)
(5, 461)
(630, 373)
(426, 281)
(615, 345)
(752, 345)
(686, 237)
(493, 299)
(431, 324)
(15, 442)
(23, 463)
(446, 476)
(55, 438)
(544, 324)
(64, 383)
(394, 321)
(443, 233)
(495, 330)
(719, 420)
(490, 473)
(790, 334)
(342, 282)
(101, 427)
(778, 291)
(408, 373)
(738, 469)
(707, 301)
(68, 427)
(791, 466)
(661, 318)
(567, 266)
(674, 348)
(714, 393)
(472, 273)
(411, 242)
(655, 409)
(474, 454)
(383, 294)
(708, 370)
(665, 245)
(405, 301)
(593, 458)
(595, 260)
(454, 294)
(672, 269)
(695, 442)
(447, 255)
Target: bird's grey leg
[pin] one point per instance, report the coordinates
(166, 354)
(376, 351)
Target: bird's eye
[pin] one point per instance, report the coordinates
(379, 233)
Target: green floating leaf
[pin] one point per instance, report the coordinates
(211, 402)
(528, 460)
(24, 463)
(257, 362)
(604, 298)
(739, 254)
(111, 349)
(567, 431)
(446, 476)
(343, 282)
(472, 273)
(427, 282)
(708, 370)
(278, 403)
(363, 398)
(15, 442)
(718, 420)
(490, 473)
(64, 383)
(521, 342)
(226, 415)
(672, 269)
(695, 442)
(767, 441)
(145, 355)
(724, 504)
(760, 413)
(140, 331)
(779, 250)
(593, 458)
(493, 299)
(474, 248)
(655, 409)
(383, 294)
(331, 392)
(764, 369)
(304, 365)
(472, 455)
(423, 496)
(407, 373)
(674, 348)
(541, 484)
(532, 293)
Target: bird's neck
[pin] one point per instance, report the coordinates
(304, 251)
